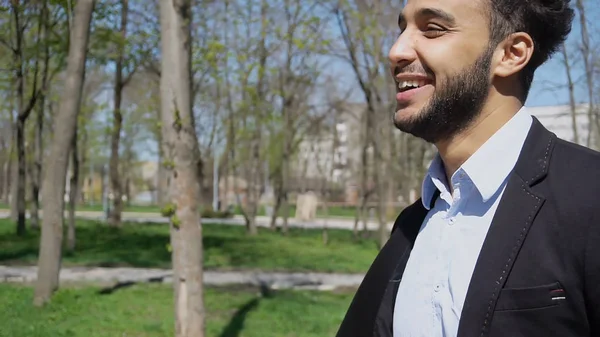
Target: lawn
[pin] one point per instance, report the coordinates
(225, 248)
(146, 310)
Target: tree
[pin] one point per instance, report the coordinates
(124, 57)
(22, 14)
(586, 54)
(36, 168)
(53, 185)
(363, 26)
(180, 147)
(571, 86)
(301, 37)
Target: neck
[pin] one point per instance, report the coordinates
(455, 151)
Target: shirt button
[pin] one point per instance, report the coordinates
(437, 288)
(451, 221)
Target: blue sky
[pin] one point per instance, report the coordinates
(549, 85)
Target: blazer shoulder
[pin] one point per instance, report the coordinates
(406, 213)
(573, 181)
(575, 160)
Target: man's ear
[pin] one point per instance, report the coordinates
(513, 54)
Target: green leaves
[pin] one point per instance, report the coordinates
(168, 210)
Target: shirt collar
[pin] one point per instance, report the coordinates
(489, 166)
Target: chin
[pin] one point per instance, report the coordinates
(406, 114)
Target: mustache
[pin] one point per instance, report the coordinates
(411, 69)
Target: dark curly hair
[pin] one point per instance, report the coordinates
(548, 22)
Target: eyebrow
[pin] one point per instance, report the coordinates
(430, 13)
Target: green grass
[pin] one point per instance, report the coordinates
(225, 248)
(146, 310)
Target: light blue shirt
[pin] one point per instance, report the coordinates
(432, 292)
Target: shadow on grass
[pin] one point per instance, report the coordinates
(127, 284)
(236, 324)
(15, 248)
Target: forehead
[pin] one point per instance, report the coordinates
(461, 10)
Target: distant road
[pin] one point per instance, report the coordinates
(237, 220)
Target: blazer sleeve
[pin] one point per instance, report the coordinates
(592, 278)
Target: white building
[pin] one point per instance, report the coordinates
(316, 161)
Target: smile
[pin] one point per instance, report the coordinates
(408, 85)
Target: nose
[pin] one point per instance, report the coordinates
(403, 51)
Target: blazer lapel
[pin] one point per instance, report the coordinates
(517, 210)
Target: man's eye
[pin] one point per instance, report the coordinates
(434, 31)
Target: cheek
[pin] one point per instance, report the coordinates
(444, 59)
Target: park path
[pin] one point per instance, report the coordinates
(124, 276)
(238, 220)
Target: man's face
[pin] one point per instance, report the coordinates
(441, 62)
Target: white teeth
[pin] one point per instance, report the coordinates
(413, 84)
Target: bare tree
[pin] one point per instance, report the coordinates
(251, 110)
(180, 146)
(56, 164)
(121, 81)
(364, 29)
(301, 38)
(24, 107)
(571, 86)
(586, 54)
(36, 168)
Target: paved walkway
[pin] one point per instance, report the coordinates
(238, 220)
(318, 281)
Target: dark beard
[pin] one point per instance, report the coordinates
(454, 106)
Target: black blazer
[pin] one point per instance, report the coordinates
(543, 245)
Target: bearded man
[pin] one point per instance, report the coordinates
(505, 239)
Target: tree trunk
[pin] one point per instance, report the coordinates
(21, 175)
(381, 193)
(18, 202)
(82, 145)
(276, 207)
(24, 108)
(36, 176)
(285, 175)
(115, 178)
(9, 164)
(14, 176)
(254, 184)
(6, 186)
(53, 185)
(285, 228)
(73, 193)
(364, 174)
(180, 146)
